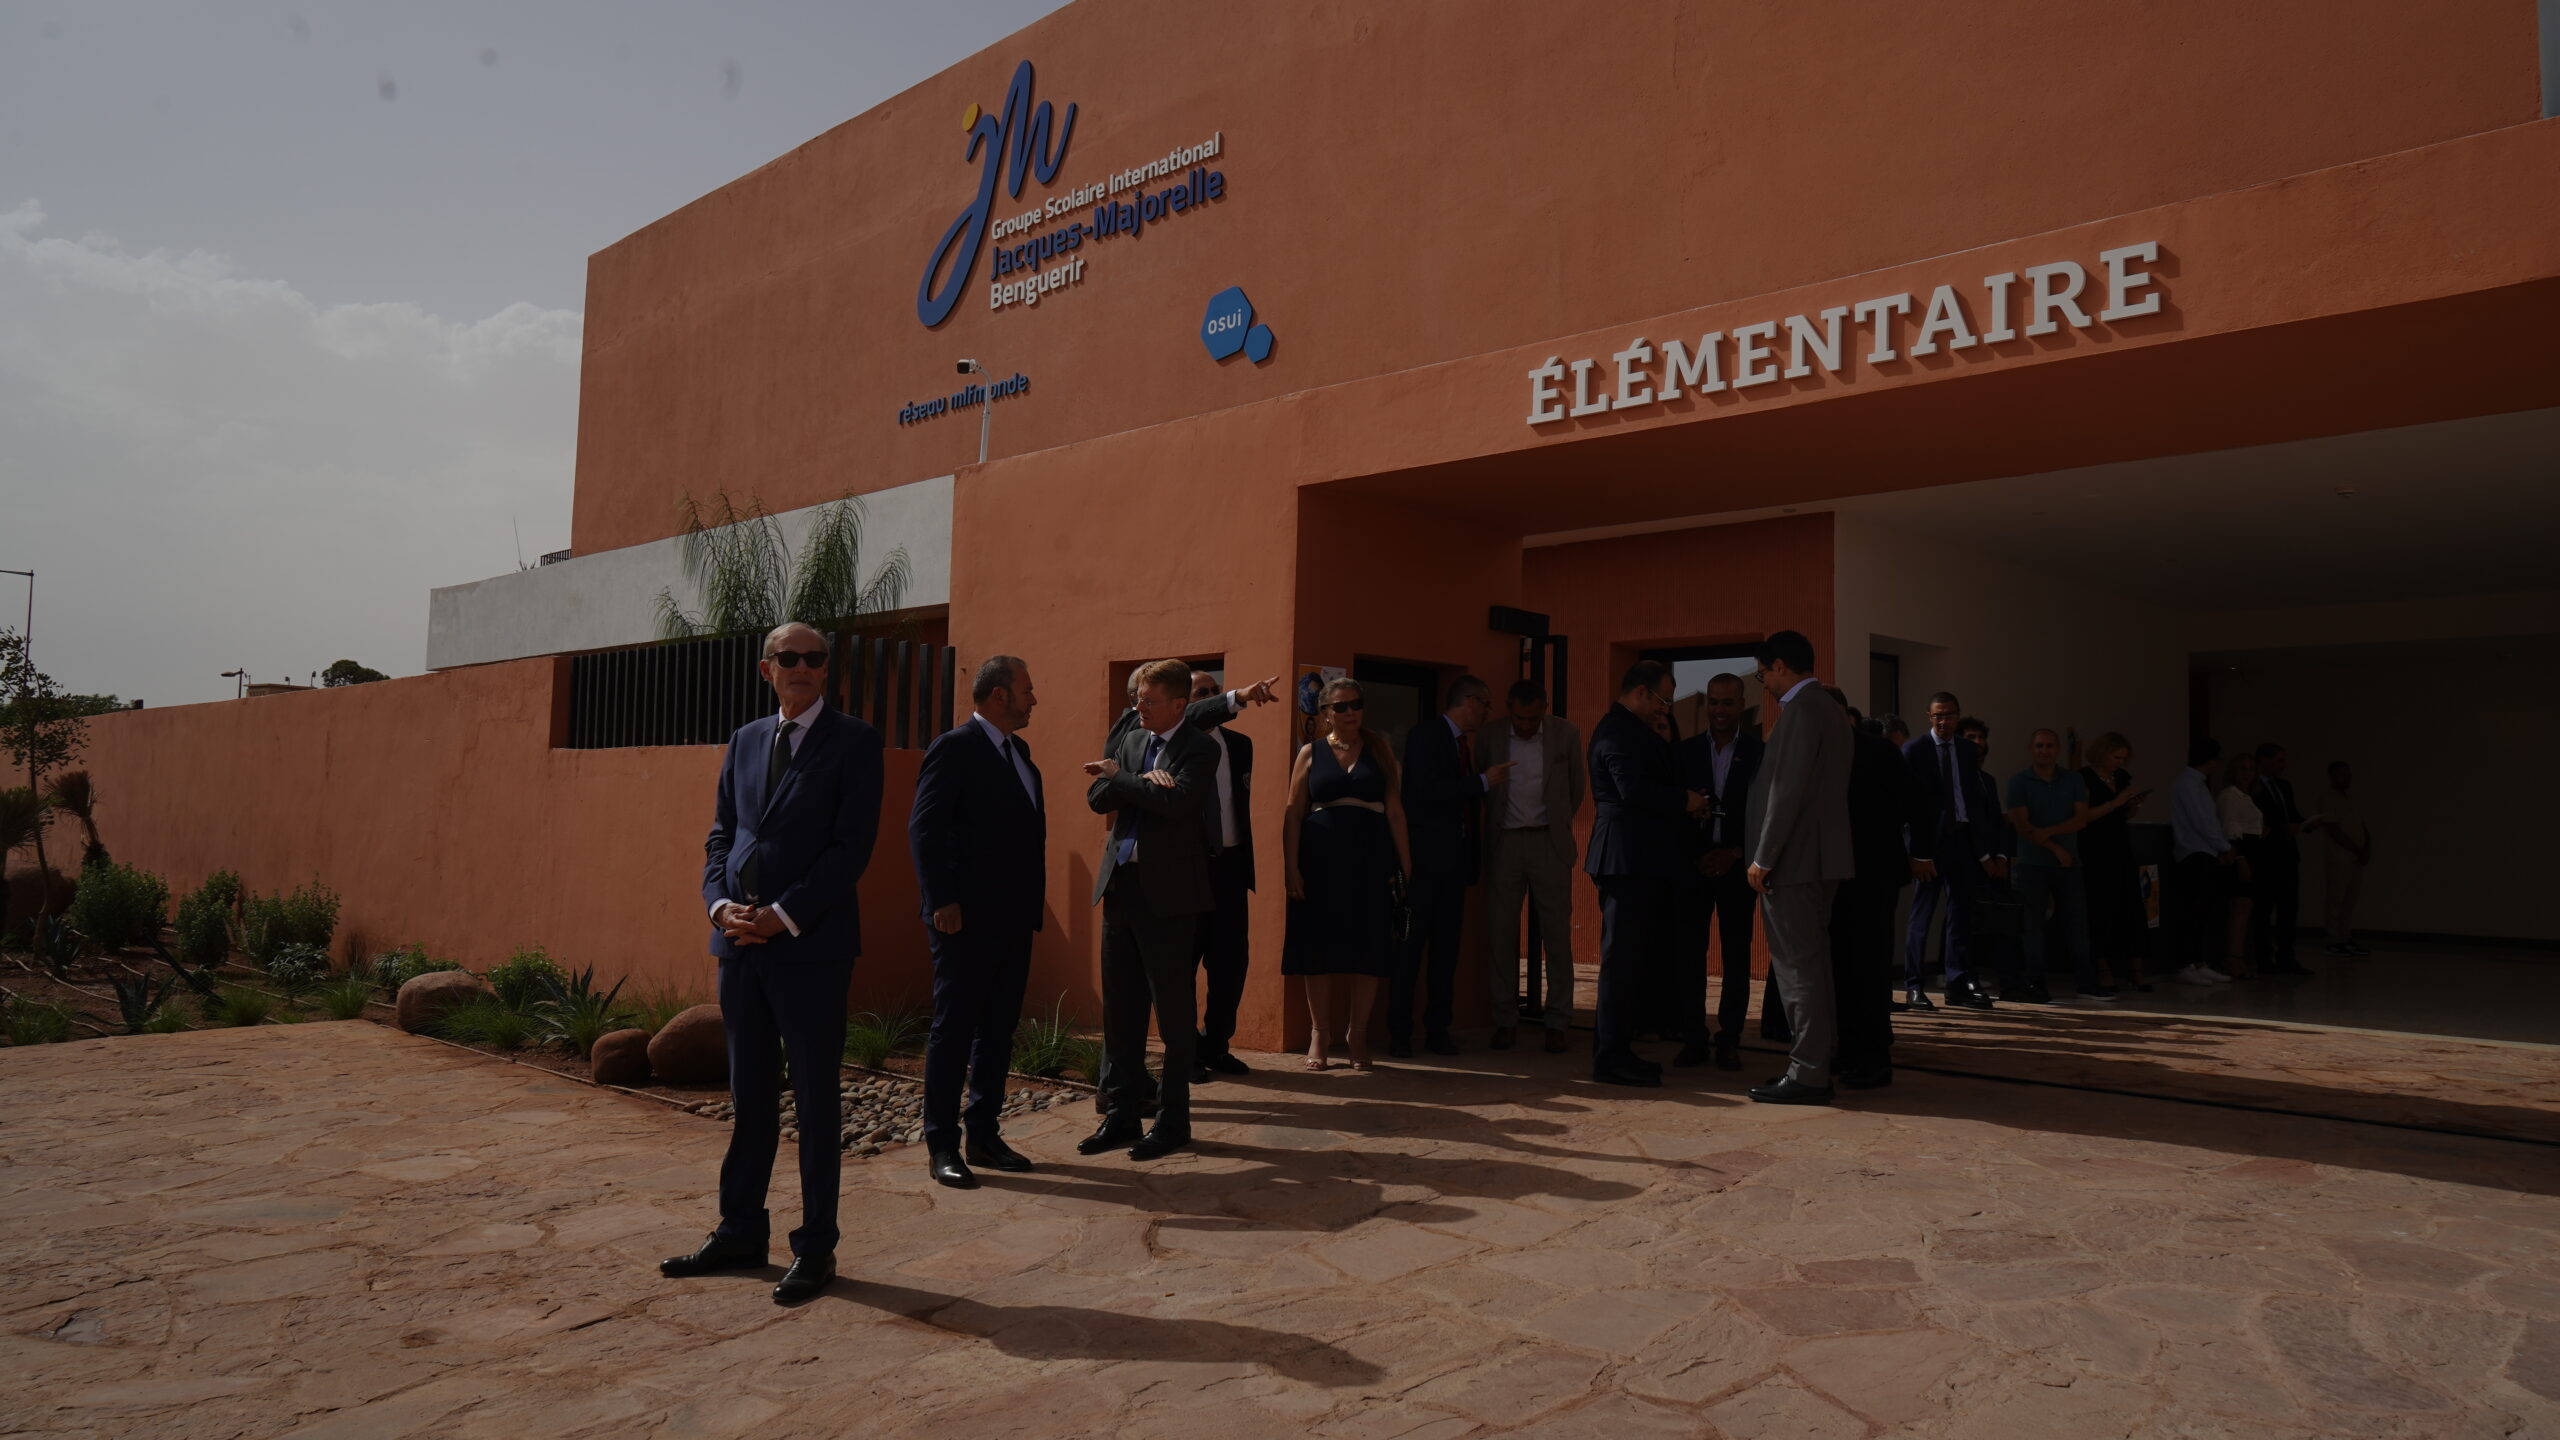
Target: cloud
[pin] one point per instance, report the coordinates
(209, 469)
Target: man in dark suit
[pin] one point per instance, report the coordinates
(1880, 804)
(791, 833)
(1443, 795)
(1800, 852)
(1639, 853)
(1947, 844)
(1716, 902)
(1153, 887)
(1223, 942)
(1998, 928)
(979, 834)
(2275, 922)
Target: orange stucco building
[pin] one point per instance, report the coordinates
(1956, 339)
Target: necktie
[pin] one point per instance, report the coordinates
(780, 759)
(1129, 841)
(1947, 768)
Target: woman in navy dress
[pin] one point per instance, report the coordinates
(1345, 844)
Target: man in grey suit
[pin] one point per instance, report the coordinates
(1529, 850)
(1157, 785)
(1800, 852)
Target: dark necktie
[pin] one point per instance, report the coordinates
(1947, 768)
(780, 759)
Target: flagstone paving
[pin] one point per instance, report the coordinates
(337, 1230)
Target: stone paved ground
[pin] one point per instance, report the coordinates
(335, 1230)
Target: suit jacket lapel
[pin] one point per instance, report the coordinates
(800, 758)
(751, 790)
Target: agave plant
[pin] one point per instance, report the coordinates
(746, 581)
(574, 1015)
(138, 998)
(74, 794)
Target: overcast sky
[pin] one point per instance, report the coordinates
(290, 294)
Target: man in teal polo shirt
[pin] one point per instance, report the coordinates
(2047, 806)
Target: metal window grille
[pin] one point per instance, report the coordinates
(698, 692)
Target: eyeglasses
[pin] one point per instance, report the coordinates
(1345, 707)
(790, 659)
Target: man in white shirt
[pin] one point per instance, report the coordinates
(1529, 853)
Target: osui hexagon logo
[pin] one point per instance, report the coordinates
(1230, 318)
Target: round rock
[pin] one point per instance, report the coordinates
(423, 998)
(691, 1049)
(621, 1058)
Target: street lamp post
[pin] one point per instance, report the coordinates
(30, 631)
(241, 690)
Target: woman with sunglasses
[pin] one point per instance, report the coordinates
(1345, 844)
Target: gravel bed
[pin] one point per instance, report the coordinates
(880, 1112)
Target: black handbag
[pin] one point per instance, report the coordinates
(1399, 909)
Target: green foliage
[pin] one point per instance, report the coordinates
(524, 978)
(33, 1023)
(345, 997)
(222, 889)
(652, 1008)
(296, 968)
(872, 1038)
(75, 794)
(43, 729)
(21, 814)
(1047, 1047)
(394, 968)
(348, 672)
(167, 1020)
(119, 905)
(138, 999)
(268, 923)
(238, 1005)
(485, 1020)
(204, 931)
(56, 945)
(746, 582)
(1084, 1058)
(574, 1016)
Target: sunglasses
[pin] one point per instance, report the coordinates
(790, 659)
(1345, 707)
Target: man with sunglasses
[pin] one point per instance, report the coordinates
(797, 810)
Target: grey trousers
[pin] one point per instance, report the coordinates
(1798, 921)
(1525, 862)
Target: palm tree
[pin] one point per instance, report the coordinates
(747, 582)
(75, 795)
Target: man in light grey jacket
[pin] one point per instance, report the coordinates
(1529, 850)
(1800, 852)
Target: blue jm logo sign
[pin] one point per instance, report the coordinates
(1022, 129)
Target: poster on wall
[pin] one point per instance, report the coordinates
(1310, 692)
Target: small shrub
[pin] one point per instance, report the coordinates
(297, 967)
(238, 1005)
(651, 1009)
(524, 978)
(221, 890)
(167, 1020)
(345, 998)
(486, 1020)
(204, 931)
(138, 998)
(1084, 1057)
(395, 968)
(119, 905)
(1045, 1047)
(574, 1016)
(268, 923)
(31, 1023)
(871, 1038)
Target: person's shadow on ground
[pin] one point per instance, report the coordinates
(1067, 1332)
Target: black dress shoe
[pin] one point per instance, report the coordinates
(994, 1154)
(1224, 1062)
(2032, 992)
(1693, 1055)
(715, 1255)
(1728, 1053)
(1556, 1043)
(1785, 1091)
(1441, 1044)
(1919, 1000)
(1113, 1134)
(1200, 1073)
(1650, 1067)
(949, 1169)
(1969, 997)
(1158, 1143)
(1400, 1049)
(1625, 1074)
(1505, 1036)
(1865, 1077)
(807, 1276)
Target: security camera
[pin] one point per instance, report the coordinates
(969, 367)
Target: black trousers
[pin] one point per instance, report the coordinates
(1635, 912)
(2194, 902)
(1147, 967)
(1439, 903)
(773, 1010)
(1862, 971)
(2276, 920)
(978, 979)
(1220, 948)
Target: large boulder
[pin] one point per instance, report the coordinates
(691, 1049)
(424, 999)
(621, 1058)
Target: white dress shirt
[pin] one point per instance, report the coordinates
(1720, 760)
(799, 732)
(1226, 796)
(1525, 804)
(1021, 767)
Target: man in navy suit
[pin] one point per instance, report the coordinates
(791, 833)
(1717, 901)
(1948, 841)
(979, 834)
(1639, 854)
(1443, 794)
